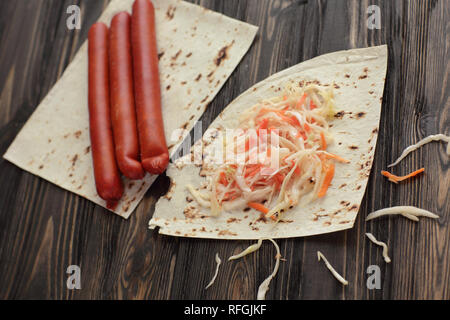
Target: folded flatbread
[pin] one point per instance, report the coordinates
(198, 51)
(356, 78)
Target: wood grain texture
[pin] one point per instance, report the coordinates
(44, 229)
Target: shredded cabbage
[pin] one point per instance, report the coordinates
(409, 212)
(380, 243)
(330, 267)
(218, 262)
(292, 134)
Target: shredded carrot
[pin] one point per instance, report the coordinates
(327, 180)
(397, 179)
(307, 128)
(279, 178)
(223, 178)
(263, 124)
(312, 105)
(335, 157)
(280, 113)
(301, 134)
(297, 170)
(324, 141)
(252, 170)
(301, 101)
(229, 196)
(294, 120)
(258, 206)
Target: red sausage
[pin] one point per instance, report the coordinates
(107, 177)
(123, 113)
(154, 153)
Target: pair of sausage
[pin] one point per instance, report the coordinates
(126, 124)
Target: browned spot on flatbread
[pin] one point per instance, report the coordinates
(223, 54)
(66, 136)
(353, 147)
(198, 77)
(160, 55)
(339, 114)
(141, 187)
(87, 149)
(49, 140)
(262, 218)
(226, 233)
(363, 76)
(358, 187)
(342, 185)
(190, 212)
(189, 54)
(74, 160)
(360, 114)
(168, 87)
(345, 222)
(336, 86)
(353, 207)
(169, 193)
(183, 83)
(170, 13)
(230, 220)
(175, 57)
(347, 76)
(41, 167)
(77, 134)
(204, 99)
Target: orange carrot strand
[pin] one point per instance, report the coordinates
(397, 179)
(323, 140)
(327, 180)
(258, 206)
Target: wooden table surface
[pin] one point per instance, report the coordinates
(44, 229)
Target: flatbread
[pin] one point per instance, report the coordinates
(198, 50)
(357, 77)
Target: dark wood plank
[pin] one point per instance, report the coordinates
(44, 229)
